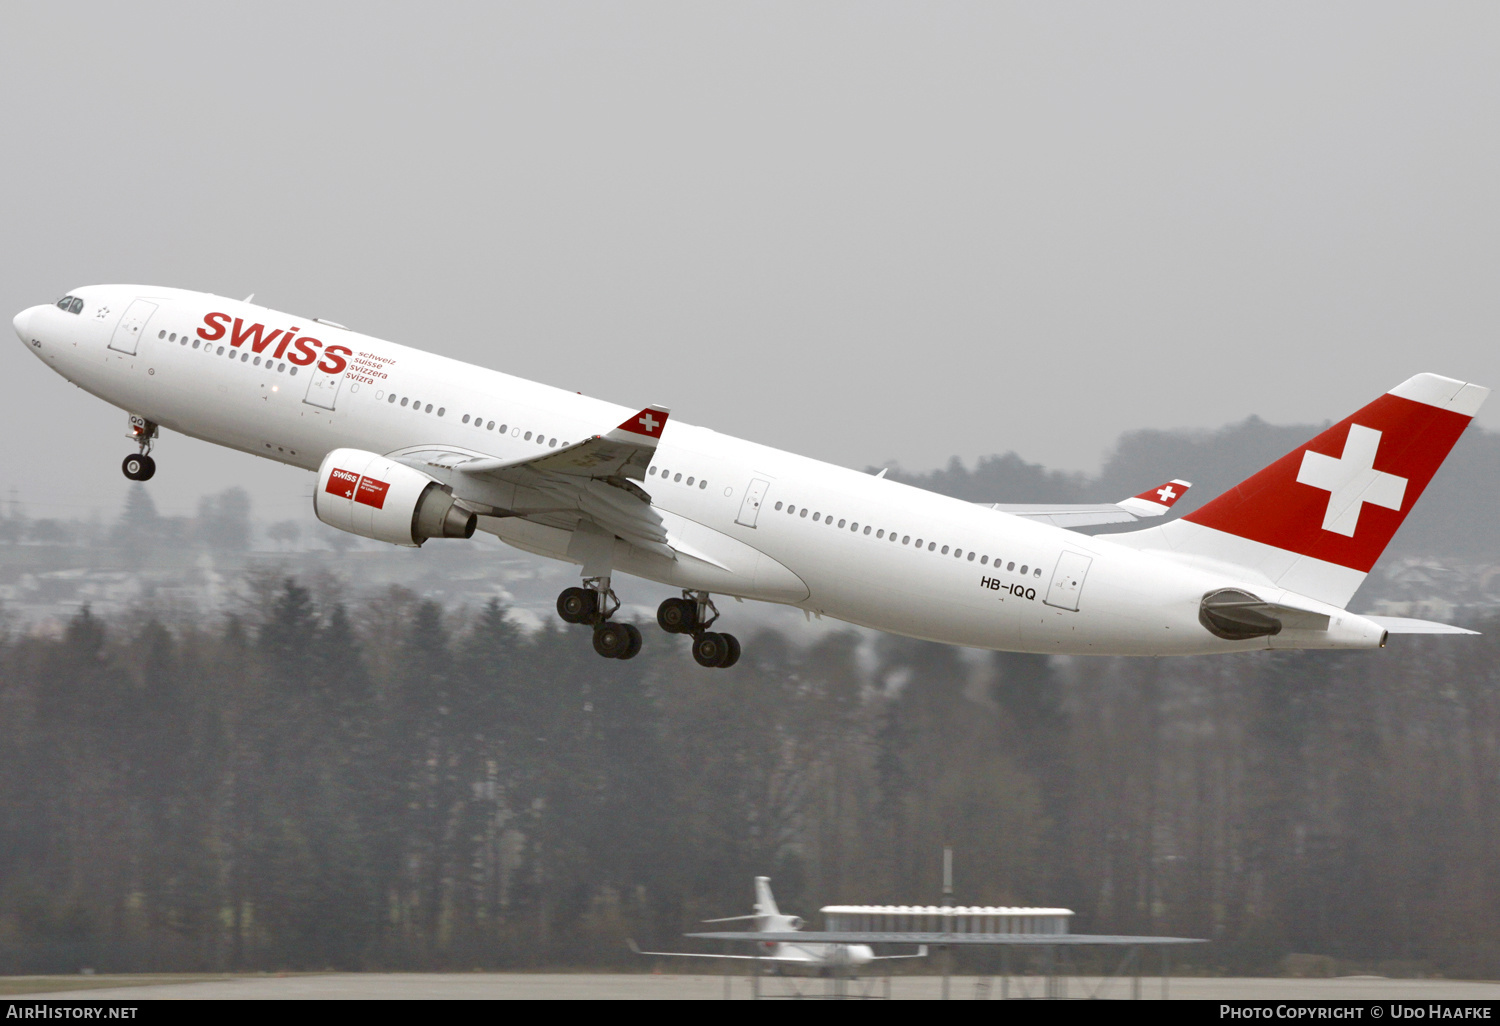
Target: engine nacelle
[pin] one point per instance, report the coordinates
(374, 497)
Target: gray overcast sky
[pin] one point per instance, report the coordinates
(859, 231)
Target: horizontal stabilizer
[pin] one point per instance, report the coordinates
(1151, 503)
(1402, 625)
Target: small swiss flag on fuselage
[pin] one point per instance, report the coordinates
(648, 422)
(1166, 494)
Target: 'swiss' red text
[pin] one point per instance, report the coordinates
(300, 351)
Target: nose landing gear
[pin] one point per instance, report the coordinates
(693, 614)
(140, 467)
(594, 604)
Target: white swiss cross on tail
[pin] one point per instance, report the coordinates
(1351, 480)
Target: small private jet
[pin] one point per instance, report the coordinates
(823, 957)
(410, 446)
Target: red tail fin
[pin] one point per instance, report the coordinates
(1341, 497)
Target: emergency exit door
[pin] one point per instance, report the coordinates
(1067, 580)
(127, 334)
(750, 508)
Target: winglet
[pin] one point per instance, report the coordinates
(638, 428)
(1154, 502)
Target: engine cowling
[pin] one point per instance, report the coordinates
(367, 494)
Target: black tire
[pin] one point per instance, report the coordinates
(734, 651)
(709, 649)
(139, 468)
(611, 639)
(677, 616)
(577, 605)
(634, 648)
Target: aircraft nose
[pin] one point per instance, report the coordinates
(22, 322)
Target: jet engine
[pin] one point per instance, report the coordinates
(375, 497)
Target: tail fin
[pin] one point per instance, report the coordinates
(765, 903)
(1316, 520)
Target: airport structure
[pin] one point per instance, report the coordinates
(987, 920)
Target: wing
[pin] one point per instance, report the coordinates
(1153, 502)
(921, 953)
(695, 954)
(590, 481)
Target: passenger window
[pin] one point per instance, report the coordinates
(429, 408)
(983, 560)
(159, 334)
(528, 436)
(804, 512)
(932, 546)
(293, 372)
(220, 352)
(971, 555)
(945, 550)
(466, 418)
(1037, 572)
(841, 523)
(904, 538)
(778, 507)
(280, 367)
(392, 398)
(183, 340)
(879, 534)
(1023, 569)
(173, 337)
(403, 402)
(492, 424)
(442, 410)
(690, 482)
(195, 343)
(702, 485)
(652, 472)
(817, 517)
(677, 477)
(919, 543)
(552, 444)
(245, 357)
(867, 529)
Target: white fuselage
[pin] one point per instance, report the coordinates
(981, 577)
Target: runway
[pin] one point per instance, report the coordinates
(647, 986)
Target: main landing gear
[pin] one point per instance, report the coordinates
(140, 467)
(594, 604)
(693, 614)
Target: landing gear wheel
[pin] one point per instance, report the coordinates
(677, 616)
(139, 468)
(634, 648)
(575, 605)
(710, 649)
(734, 651)
(612, 640)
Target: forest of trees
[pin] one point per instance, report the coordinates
(390, 785)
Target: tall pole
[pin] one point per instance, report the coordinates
(947, 903)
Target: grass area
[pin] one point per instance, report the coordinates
(50, 984)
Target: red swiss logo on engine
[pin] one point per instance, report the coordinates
(371, 492)
(341, 483)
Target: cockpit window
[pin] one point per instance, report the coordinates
(72, 304)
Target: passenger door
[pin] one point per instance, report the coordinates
(1067, 580)
(127, 336)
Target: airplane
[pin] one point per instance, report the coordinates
(768, 919)
(410, 446)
